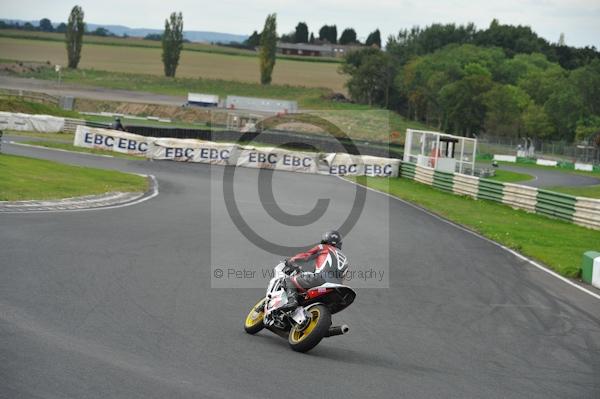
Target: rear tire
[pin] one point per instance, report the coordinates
(254, 321)
(306, 339)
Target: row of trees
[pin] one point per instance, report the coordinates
(172, 43)
(327, 34)
(172, 39)
(504, 80)
(45, 25)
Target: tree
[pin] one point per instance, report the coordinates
(587, 80)
(419, 41)
(587, 127)
(74, 36)
(287, 38)
(328, 33)
(172, 43)
(153, 36)
(268, 47)
(564, 108)
(46, 25)
(513, 39)
(61, 28)
(312, 38)
(463, 101)
(374, 38)
(301, 33)
(348, 36)
(100, 31)
(535, 122)
(372, 75)
(505, 105)
(253, 40)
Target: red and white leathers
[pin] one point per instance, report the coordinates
(330, 266)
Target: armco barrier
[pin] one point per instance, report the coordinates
(587, 212)
(274, 137)
(192, 150)
(521, 197)
(443, 181)
(558, 205)
(580, 210)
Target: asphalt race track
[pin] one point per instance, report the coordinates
(552, 178)
(95, 93)
(118, 303)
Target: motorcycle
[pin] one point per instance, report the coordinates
(310, 322)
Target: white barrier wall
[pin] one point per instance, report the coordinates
(111, 140)
(31, 123)
(186, 150)
(505, 158)
(546, 162)
(190, 150)
(584, 166)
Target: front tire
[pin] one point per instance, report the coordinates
(255, 320)
(303, 340)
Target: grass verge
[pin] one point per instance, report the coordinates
(28, 107)
(140, 42)
(71, 147)
(584, 191)
(507, 176)
(565, 169)
(557, 244)
(60, 137)
(35, 179)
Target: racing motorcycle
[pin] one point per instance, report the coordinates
(310, 322)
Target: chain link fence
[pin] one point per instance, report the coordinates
(558, 150)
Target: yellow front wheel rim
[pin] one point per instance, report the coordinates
(255, 317)
(300, 335)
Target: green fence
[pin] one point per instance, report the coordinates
(579, 210)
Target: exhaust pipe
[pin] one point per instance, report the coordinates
(338, 330)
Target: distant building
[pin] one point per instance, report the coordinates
(316, 50)
(203, 100)
(269, 105)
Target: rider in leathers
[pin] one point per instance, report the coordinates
(330, 266)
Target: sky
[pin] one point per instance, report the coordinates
(579, 20)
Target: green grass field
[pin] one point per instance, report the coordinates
(555, 243)
(193, 64)
(531, 164)
(71, 147)
(140, 42)
(59, 137)
(28, 107)
(585, 191)
(507, 176)
(23, 178)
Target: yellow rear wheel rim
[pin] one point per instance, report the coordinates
(255, 317)
(299, 335)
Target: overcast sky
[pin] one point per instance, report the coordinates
(578, 19)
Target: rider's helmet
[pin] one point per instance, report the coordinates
(332, 237)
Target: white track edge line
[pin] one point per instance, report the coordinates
(137, 201)
(59, 149)
(511, 251)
